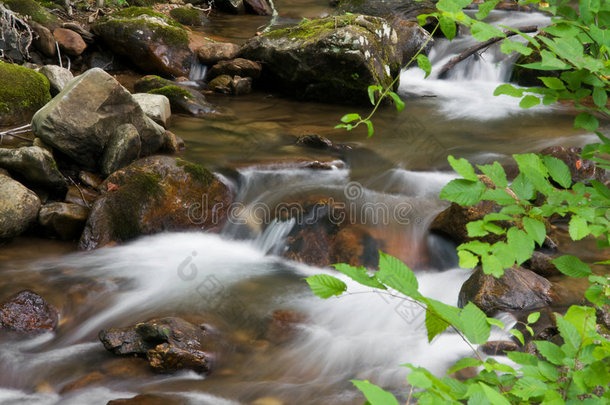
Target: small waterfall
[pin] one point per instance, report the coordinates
(198, 70)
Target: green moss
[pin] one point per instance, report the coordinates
(125, 204)
(34, 10)
(197, 172)
(188, 16)
(169, 35)
(172, 92)
(22, 89)
(134, 12)
(307, 29)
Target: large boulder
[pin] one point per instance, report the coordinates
(152, 41)
(333, 59)
(18, 208)
(169, 344)
(81, 120)
(156, 194)
(22, 92)
(27, 311)
(35, 166)
(518, 289)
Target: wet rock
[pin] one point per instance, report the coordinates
(83, 196)
(189, 16)
(91, 379)
(18, 208)
(181, 98)
(230, 6)
(156, 194)
(284, 325)
(81, 120)
(321, 238)
(58, 77)
(22, 92)
(169, 344)
(581, 169)
(90, 179)
(27, 311)
(259, 7)
(241, 85)
(122, 148)
(405, 10)
(151, 399)
(226, 84)
(69, 41)
(499, 347)
(319, 142)
(152, 41)
(63, 219)
(518, 289)
(452, 221)
(221, 84)
(333, 59)
(35, 166)
(211, 53)
(155, 106)
(236, 67)
(173, 144)
(540, 263)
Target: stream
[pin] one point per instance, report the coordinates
(239, 276)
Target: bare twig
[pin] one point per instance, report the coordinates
(80, 191)
(475, 48)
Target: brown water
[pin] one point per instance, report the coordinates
(361, 336)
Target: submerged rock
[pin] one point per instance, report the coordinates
(152, 41)
(18, 208)
(22, 92)
(81, 120)
(284, 325)
(27, 311)
(156, 194)
(333, 59)
(169, 344)
(35, 166)
(236, 67)
(63, 219)
(151, 399)
(518, 289)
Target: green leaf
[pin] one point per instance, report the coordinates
(419, 379)
(464, 363)
(452, 6)
(549, 62)
(571, 266)
(435, 325)
(448, 27)
(371, 91)
(521, 244)
(516, 333)
(424, 64)
(325, 286)
(375, 395)
(496, 173)
(494, 397)
(553, 83)
(533, 317)
(586, 121)
(475, 246)
(369, 128)
(350, 117)
(509, 47)
(570, 336)
(525, 359)
(535, 229)
(583, 319)
(474, 324)
(395, 274)
(551, 352)
(483, 32)
(509, 90)
(486, 8)
(359, 275)
(558, 170)
(495, 322)
(492, 265)
(600, 97)
(523, 187)
(578, 228)
(400, 105)
(529, 101)
(528, 387)
(467, 259)
(463, 192)
(463, 167)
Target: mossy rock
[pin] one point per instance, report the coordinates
(333, 59)
(22, 92)
(35, 11)
(189, 16)
(152, 41)
(156, 194)
(181, 99)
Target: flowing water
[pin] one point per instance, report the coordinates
(238, 278)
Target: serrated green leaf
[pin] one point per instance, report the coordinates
(521, 244)
(359, 275)
(475, 246)
(496, 173)
(558, 170)
(463, 168)
(486, 8)
(395, 274)
(525, 359)
(494, 397)
(571, 338)
(509, 90)
(583, 319)
(467, 260)
(483, 32)
(492, 265)
(464, 363)
(448, 27)
(325, 286)
(523, 187)
(552, 83)
(551, 352)
(434, 325)
(535, 229)
(474, 324)
(571, 266)
(424, 64)
(578, 228)
(419, 379)
(509, 47)
(586, 121)
(463, 192)
(375, 395)
(600, 97)
(516, 333)
(529, 101)
(528, 387)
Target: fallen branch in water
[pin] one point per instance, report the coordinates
(475, 48)
(14, 131)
